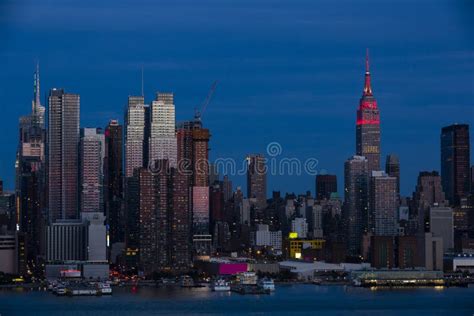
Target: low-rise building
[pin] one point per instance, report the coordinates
(297, 246)
(392, 277)
(8, 254)
(308, 270)
(263, 237)
(464, 262)
(77, 269)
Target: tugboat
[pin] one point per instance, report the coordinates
(266, 284)
(220, 285)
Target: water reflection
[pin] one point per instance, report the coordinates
(173, 292)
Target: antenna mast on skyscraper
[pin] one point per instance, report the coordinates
(367, 69)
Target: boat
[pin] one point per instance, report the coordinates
(220, 285)
(266, 284)
(104, 288)
(60, 291)
(247, 278)
(83, 291)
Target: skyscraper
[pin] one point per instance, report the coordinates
(66, 240)
(472, 179)
(153, 192)
(216, 203)
(96, 242)
(134, 134)
(325, 185)
(392, 168)
(183, 206)
(162, 142)
(227, 188)
(455, 162)
(37, 109)
(368, 125)
(132, 219)
(63, 147)
(214, 176)
(383, 204)
(158, 230)
(441, 225)
(193, 155)
(257, 179)
(92, 154)
(356, 201)
(114, 181)
(428, 192)
(180, 250)
(30, 175)
(200, 191)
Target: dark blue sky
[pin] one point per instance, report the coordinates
(288, 71)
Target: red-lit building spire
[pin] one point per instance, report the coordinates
(367, 86)
(368, 124)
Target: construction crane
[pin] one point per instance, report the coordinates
(199, 113)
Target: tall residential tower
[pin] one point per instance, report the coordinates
(114, 181)
(162, 141)
(92, 154)
(63, 154)
(134, 134)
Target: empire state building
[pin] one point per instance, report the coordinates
(368, 125)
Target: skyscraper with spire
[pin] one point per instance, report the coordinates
(368, 124)
(36, 108)
(30, 175)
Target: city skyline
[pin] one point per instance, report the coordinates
(135, 101)
(179, 151)
(326, 81)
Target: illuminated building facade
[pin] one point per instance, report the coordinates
(383, 204)
(92, 154)
(134, 134)
(297, 245)
(162, 139)
(368, 125)
(193, 157)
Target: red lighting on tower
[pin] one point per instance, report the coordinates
(368, 123)
(367, 101)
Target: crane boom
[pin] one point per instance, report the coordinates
(206, 102)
